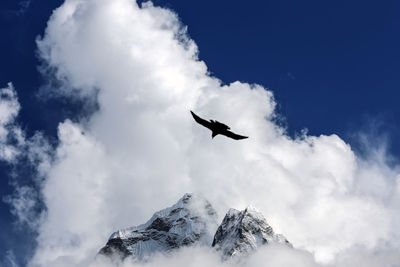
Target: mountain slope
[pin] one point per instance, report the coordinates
(242, 232)
(192, 219)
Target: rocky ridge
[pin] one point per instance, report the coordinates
(192, 220)
(242, 232)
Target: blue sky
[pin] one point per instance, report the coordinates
(332, 66)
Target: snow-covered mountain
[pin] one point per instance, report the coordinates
(242, 232)
(192, 220)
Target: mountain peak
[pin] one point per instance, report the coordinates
(242, 232)
(192, 219)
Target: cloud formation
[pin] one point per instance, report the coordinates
(10, 133)
(141, 150)
(21, 152)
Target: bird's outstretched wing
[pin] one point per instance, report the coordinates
(201, 121)
(233, 135)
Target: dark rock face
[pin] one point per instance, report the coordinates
(159, 225)
(190, 220)
(113, 245)
(241, 232)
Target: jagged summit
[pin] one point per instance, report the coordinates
(242, 232)
(192, 219)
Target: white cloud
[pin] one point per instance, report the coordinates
(17, 149)
(33, 152)
(10, 134)
(141, 150)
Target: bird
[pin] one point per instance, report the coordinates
(217, 128)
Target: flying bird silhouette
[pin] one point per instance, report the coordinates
(217, 128)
